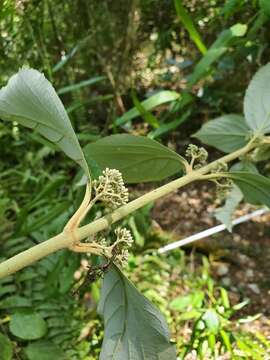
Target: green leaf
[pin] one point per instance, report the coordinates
(5, 348)
(180, 303)
(217, 49)
(134, 328)
(30, 99)
(44, 350)
(27, 325)
(189, 25)
(78, 86)
(212, 342)
(225, 298)
(146, 115)
(225, 213)
(211, 320)
(189, 315)
(226, 340)
(240, 305)
(152, 102)
(244, 165)
(257, 101)
(168, 126)
(227, 133)
(255, 187)
(64, 59)
(138, 158)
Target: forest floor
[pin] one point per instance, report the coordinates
(240, 260)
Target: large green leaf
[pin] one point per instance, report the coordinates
(134, 328)
(148, 104)
(30, 99)
(189, 25)
(5, 348)
(27, 325)
(255, 187)
(139, 159)
(227, 133)
(257, 101)
(217, 49)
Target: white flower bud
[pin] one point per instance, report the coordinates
(110, 188)
(124, 235)
(198, 154)
(122, 258)
(123, 241)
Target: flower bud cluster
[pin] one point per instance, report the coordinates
(223, 184)
(220, 167)
(110, 188)
(123, 235)
(123, 241)
(196, 153)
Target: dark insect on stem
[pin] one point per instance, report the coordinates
(94, 273)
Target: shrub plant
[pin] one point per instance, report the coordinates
(134, 328)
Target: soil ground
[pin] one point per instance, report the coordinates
(240, 259)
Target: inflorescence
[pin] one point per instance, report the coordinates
(223, 184)
(110, 188)
(120, 247)
(198, 154)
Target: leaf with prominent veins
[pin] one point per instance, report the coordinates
(255, 187)
(227, 133)
(257, 101)
(138, 158)
(134, 328)
(30, 99)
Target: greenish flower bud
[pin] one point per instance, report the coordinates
(110, 188)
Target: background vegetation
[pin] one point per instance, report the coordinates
(192, 60)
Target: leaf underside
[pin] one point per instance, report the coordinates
(255, 187)
(225, 213)
(226, 133)
(134, 328)
(257, 101)
(30, 99)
